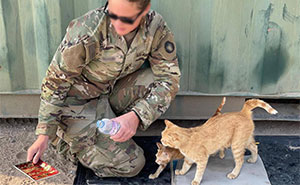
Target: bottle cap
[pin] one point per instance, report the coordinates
(101, 123)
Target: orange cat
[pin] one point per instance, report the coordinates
(233, 129)
(166, 154)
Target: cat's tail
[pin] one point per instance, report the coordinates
(218, 111)
(253, 103)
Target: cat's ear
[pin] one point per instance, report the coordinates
(159, 145)
(168, 123)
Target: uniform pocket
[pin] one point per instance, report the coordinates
(78, 127)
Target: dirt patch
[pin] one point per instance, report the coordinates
(16, 135)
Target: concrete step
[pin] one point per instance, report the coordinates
(286, 112)
(182, 108)
(269, 127)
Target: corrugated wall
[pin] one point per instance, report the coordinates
(30, 32)
(225, 47)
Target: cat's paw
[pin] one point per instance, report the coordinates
(152, 176)
(195, 182)
(213, 155)
(231, 176)
(221, 155)
(251, 160)
(179, 172)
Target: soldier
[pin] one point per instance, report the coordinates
(97, 72)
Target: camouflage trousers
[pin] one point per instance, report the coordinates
(79, 140)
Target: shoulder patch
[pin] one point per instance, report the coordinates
(169, 47)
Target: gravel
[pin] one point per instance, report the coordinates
(16, 136)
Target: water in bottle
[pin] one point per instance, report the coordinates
(108, 126)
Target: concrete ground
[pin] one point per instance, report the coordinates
(16, 135)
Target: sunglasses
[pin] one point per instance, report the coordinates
(125, 20)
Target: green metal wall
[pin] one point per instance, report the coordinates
(225, 47)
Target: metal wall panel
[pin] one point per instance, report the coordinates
(30, 32)
(248, 47)
(225, 47)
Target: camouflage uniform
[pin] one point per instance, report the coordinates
(94, 75)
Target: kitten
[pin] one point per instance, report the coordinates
(233, 129)
(166, 154)
(163, 156)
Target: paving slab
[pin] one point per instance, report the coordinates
(217, 170)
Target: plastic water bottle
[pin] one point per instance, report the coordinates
(108, 126)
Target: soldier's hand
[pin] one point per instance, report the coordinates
(129, 123)
(36, 150)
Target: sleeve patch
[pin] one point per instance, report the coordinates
(169, 47)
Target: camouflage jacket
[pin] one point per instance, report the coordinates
(92, 57)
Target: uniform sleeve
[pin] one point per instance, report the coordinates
(67, 63)
(164, 65)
